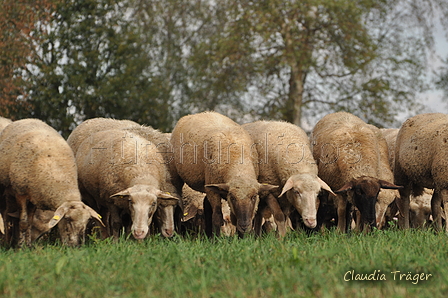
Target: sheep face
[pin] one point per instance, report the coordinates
(363, 194)
(243, 201)
(72, 218)
(302, 192)
(141, 201)
(420, 211)
(303, 196)
(165, 215)
(243, 204)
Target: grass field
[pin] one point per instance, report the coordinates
(320, 265)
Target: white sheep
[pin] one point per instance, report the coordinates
(420, 206)
(420, 209)
(91, 126)
(3, 123)
(164, 217)
(285, 159)
(38, 169)
(124, 172)
(213, 154)
(352, 157)
(420, 162)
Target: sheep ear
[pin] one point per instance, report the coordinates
(221, 189)
(58, 215)
(167, 199)
(124, 193)
(346, 187)
(95, 215)
(14, 214)
(267, 187)
(387, 185)
(2, 225)
(325, 186)
(288, 185)
(121, 197)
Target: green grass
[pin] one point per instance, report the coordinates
(297, 266)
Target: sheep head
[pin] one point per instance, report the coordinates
(243, 199)
(72, 218)
(141, 200)
(166, 205)
(302, 191)
(363, 195)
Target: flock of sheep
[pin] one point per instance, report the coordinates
(215, 176)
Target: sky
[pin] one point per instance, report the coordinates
(433, 99)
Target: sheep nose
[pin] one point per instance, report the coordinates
(244, 227)
(310, 222)
(168, 233)
(139, 234)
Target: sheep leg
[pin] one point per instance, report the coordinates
(31, 210)
(357, 224)
(279, 216)
(208, 225)
(341, 206)
(436, 203)
(115, 223)
(403, 207)
(23, 219)
(216, 207)
(258, 220)
(11, 222)
(444, 195)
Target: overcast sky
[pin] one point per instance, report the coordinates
(433, 100)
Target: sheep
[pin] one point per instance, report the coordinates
(193, 217)
(167, 215)
(124, 172)
(164, 216)
(38, 170)
(420, 162)
(390, 135)
(193, 210)
(285, 159)
(212, 154)
(420, 206)
(91, 126)
(352, 157)
(4, 122)
(420, 209)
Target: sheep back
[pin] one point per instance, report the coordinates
(36, 160)
(91, 126)
(213, 154)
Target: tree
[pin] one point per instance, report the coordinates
(90, 62)
(442, 78)
(153, 61)
(18, 21)
(289, 58)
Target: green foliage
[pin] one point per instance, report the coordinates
(93, 63)
(283, 59)
(154, 61)
(297, 266)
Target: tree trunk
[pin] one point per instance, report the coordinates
(295, 96)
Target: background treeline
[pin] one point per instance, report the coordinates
(153, 61)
